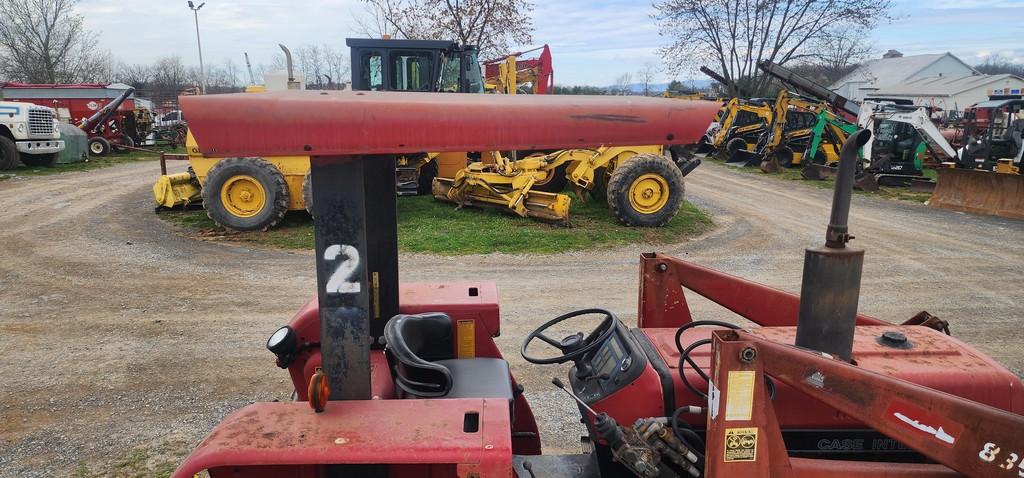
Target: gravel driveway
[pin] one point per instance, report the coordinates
(124, 343)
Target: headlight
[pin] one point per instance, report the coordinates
(282, 342)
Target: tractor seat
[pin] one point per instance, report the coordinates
(419, 352)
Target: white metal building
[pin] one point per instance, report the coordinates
(894, 69)
(952, 93)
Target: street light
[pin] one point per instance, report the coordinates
(202, 72)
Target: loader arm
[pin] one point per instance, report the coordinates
(974, 439)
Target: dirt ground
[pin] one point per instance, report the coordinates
(124, 343)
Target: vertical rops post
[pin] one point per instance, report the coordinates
(356, 262)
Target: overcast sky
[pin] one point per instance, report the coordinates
(592, 42)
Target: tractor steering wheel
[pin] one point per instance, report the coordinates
(575, 345)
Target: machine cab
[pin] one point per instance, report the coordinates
(414, 65)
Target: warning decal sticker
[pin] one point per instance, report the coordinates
(740, 444)
(739, 396)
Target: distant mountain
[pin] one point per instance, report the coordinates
(659, 87)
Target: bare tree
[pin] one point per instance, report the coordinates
(337, 66)
(134, 75)
(999, 64)
(231, 73)
(45, 41)
(735, 35)
(494, 26)
(646, 76)
(621, 86)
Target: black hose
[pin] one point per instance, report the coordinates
(684, 357)
(688, 436)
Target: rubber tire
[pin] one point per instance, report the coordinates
(555, 182)
(104, 146)
(599, 190)
(270, 178)
(125, 140)
(733, 146)
(44, 160)
(307, 193)
(8, 154)
(785, 156)
(425, 178)
(627, 172)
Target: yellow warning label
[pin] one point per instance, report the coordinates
(376, 295)
(741, 444)
(467, 338)
(739, 396)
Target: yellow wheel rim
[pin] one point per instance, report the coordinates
(243, 196)
(648, 193)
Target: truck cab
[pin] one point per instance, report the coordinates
(414, 65)
(28, 133)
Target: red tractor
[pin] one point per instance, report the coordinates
(405, 380)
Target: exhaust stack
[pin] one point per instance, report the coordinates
(831, 280)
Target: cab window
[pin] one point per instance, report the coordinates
(450, 69)
(411, 71)
(373, 70)
(474, 78)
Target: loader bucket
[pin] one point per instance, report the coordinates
(866, 182)
(744, 158)
(175, 190)
(770, 165)
(981, 192)
(817, 172)
(551, 207)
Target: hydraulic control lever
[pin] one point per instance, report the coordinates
(558, 383)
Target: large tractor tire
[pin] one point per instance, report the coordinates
(733, 146)
(99, 147)
(245, 194)
(125, 141)
(8, 154)
(45, 160)
(645, 191)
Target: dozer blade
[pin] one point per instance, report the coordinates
(981, 192)
(176, 190)
(817, 172)
(549, 207)
(770, 165)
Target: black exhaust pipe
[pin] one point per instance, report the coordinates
(831, 281)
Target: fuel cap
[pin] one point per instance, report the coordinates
(895, 339)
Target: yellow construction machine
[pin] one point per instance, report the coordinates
(513, 73)
(742, 123)
(641, 185)
(789, 132)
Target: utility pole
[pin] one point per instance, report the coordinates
(202, 72)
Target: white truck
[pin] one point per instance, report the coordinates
(28, 133)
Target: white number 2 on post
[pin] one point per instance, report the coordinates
(341, 280)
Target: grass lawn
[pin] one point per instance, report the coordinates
(430, 226)
(793, 174)
(94, 162)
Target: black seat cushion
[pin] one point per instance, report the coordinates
(479, 378)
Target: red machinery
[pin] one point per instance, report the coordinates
(438, 400)
(539, 71)
(83, 105)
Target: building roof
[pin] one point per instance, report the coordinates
(887, 71)
(942, 85)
